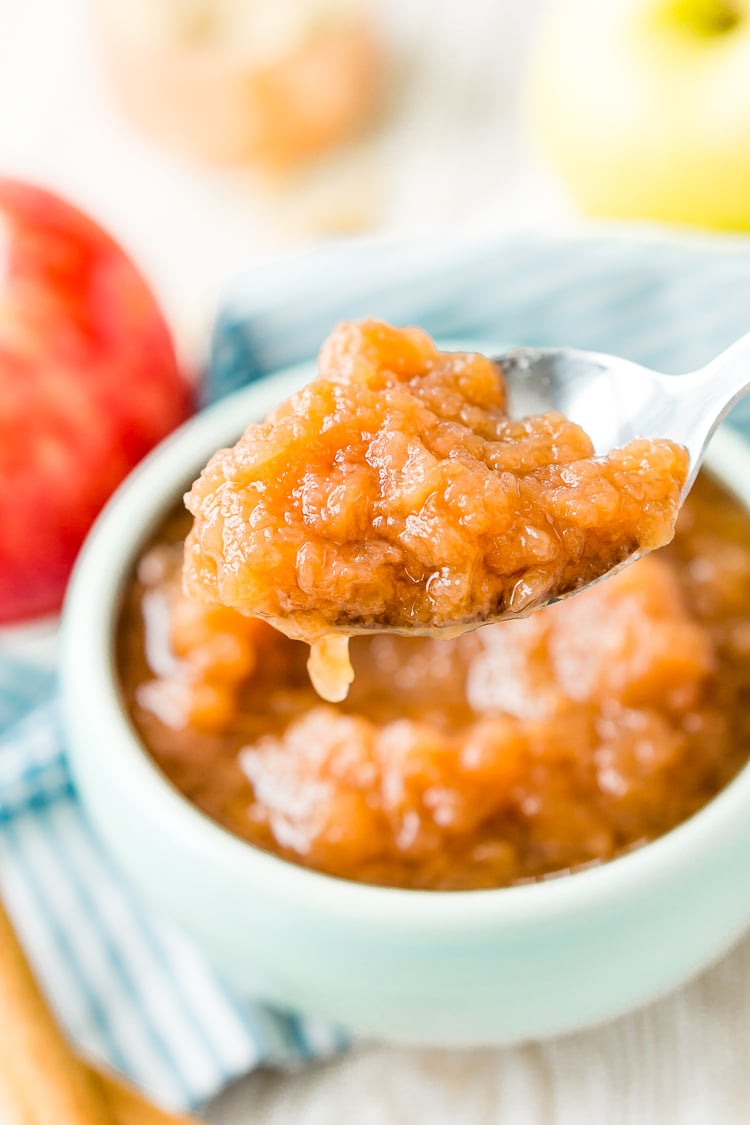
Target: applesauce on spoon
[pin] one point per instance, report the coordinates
(395, 494)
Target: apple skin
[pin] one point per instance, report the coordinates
(644, 108)
(89, 383)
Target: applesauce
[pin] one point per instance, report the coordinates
(396, 493)
(524, 749)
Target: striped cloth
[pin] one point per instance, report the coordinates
(131, 990)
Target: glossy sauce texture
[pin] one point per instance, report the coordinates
(395, 492)
(525, 748)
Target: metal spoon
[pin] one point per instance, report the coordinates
(615, 400)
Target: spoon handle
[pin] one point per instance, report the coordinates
(726, 379)
(701, 399)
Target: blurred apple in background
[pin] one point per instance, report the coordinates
(88, 384)
(644, 107)
(272, 82)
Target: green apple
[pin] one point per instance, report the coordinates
(644, 107)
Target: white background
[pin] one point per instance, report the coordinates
(450, 151)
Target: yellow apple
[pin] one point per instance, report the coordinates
(644, 107)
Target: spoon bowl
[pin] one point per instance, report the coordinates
(616, 400)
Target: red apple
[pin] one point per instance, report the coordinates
(89, 383)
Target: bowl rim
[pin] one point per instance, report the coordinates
(89, 686)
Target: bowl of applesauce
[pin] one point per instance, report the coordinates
(505, 835)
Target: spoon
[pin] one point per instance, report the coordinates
(615, 400)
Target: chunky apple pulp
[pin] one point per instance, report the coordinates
(396, 493)
(521, 749)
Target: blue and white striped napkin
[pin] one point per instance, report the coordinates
(131, 989)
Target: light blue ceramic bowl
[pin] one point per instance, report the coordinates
(473, 967)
